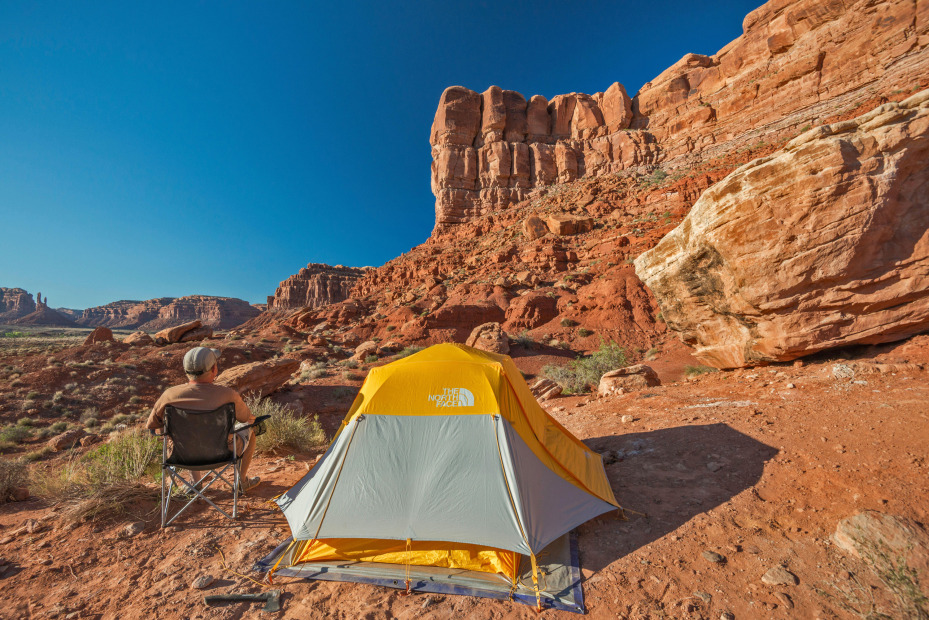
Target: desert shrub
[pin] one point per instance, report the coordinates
(390, 328)
(313, 373)
(578, 376)
(120, 418)
(124, 458)
(371, 359)
(56, 398)
(25, 422)
(134, 399)
(524, 340)
(32, 395)
(408, 351)
(349, 363)
(11, 434)
(285, 429)
(693, 371)
(583, 332)
(566, 322)
(90, 412)
(59, 427)
(13, 474)
(91, 422)
(35, 455)
(350, 376)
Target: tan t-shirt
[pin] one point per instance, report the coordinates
(198, 397)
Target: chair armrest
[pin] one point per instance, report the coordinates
(258, 420)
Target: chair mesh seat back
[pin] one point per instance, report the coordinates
(199, 437)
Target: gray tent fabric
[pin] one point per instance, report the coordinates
(548, 505)
(416, 477)
(467, 479)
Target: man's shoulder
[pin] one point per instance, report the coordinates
(189, 390)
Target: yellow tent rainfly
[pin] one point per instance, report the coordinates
(447, 476)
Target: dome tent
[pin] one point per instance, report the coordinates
(446, 475)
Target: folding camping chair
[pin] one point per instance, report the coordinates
(200, 442)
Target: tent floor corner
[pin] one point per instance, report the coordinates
(560, 576)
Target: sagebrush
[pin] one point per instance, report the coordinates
(579, 376)
(285, 429)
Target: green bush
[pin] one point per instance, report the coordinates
(124, 458)
(349, 363)
(578, 376)
(13, 474)
(524, 340)
(14, 434)
(25, 422)
(59, 427)
(371, 359)
(408, 351)
(285, 429)
(568, 322)
(583, 332)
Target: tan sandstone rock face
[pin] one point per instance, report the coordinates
(628, 379)
(259, 378)
(823, 244)
(15, 303)
(489, 337)
(163, 312)
(315, 285)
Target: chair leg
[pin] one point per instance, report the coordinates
(164, 508)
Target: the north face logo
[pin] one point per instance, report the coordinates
(453, 397)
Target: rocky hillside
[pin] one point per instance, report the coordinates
(155, 314)
(315, 285)
(542, 206)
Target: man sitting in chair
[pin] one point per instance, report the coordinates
(201, 394)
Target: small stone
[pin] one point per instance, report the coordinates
(713, 466)
(727, 615)
(134, 529)
(430, 600)
(704, 596)
(714, 557)
(202, 582)
(19, 494)
(626, 419)
(779, 576)
(791, 386)
(32, 526)
(784, 599)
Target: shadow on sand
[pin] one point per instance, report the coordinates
(671, 475)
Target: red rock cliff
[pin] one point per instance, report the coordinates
(796, 64)
(15, 303)
(315, 285)
(155, 314)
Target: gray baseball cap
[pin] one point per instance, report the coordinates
(199, 360)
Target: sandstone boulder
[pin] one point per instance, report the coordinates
(628, 379)
(66, 440)
(365, 349)
(821, 245)
(259, 378)
(139, 339)
(171, 335)
(100, 334)
(197, 334)
(534, 227)
(565, 224)
(545, 389)
(489, 337)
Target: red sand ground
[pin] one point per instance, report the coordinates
(739, 463)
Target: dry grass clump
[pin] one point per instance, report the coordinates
(285, 429)
(107, 482)
(13, 474)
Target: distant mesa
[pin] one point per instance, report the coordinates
(316, 285)
(18, 307)
(42, 314)
(159, 313)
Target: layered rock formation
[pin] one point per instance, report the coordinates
(796, 64)
(162, 312)
(314, 286)
(44, 316)
(822, 245)
(15, 303)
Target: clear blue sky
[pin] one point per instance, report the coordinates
(178, 148)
